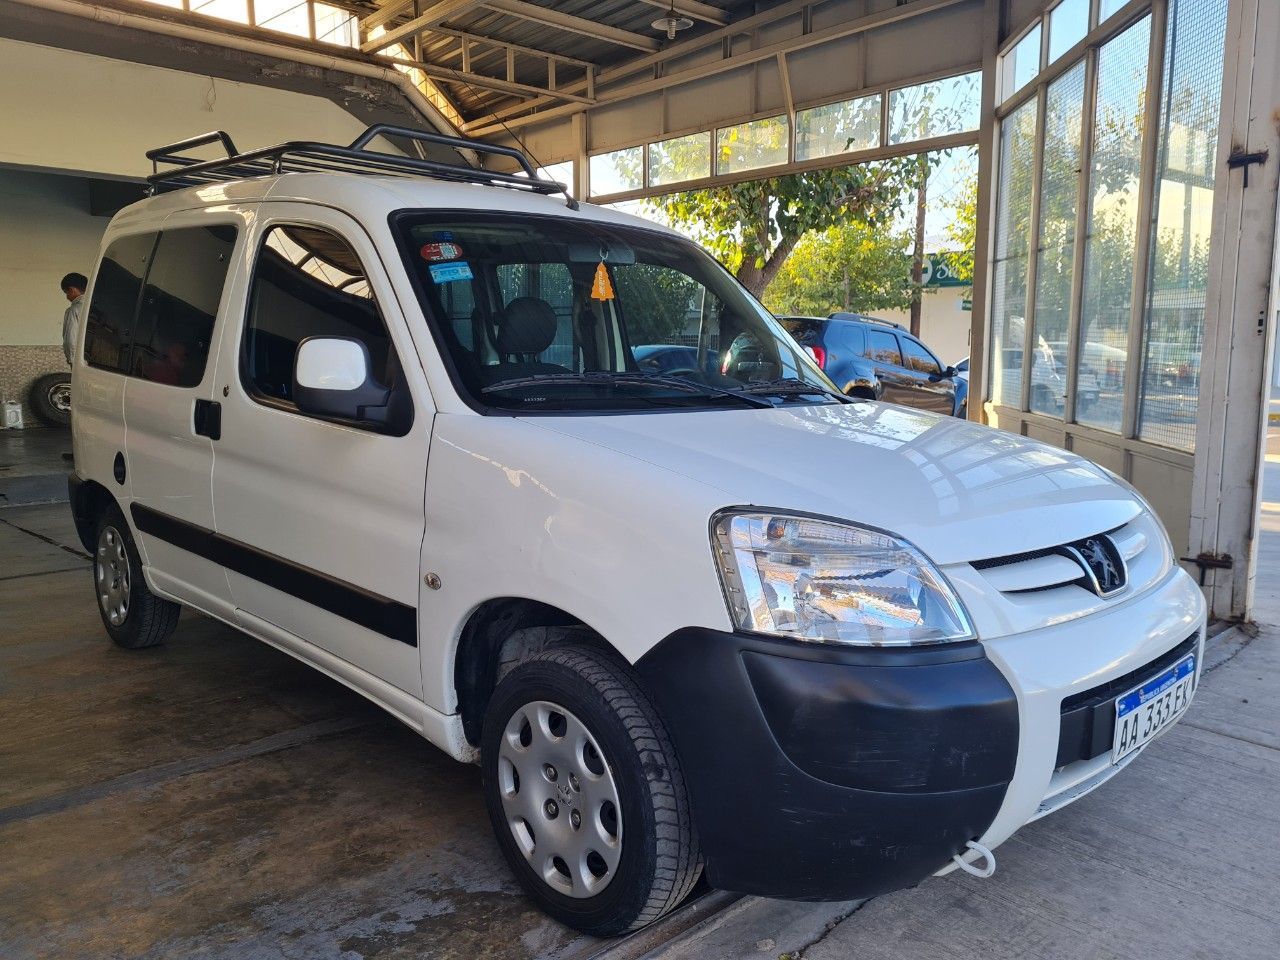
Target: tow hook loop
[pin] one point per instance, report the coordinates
(973, 869)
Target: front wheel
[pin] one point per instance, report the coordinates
(585, 793)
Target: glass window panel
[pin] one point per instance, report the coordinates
(560, 173)
(617, 172)
(1109, 7)
(110, 320)
(681, 158)
(287, 16)
(936, 108)
(1059, 183)
(1173, 324)
(1103, 362)
(308, 282)
(1068, 23)
(1021, 64)
(1009, 265)
(838, 128)
(335, 25)
(748, 146)
(234, 10)
(179, 303)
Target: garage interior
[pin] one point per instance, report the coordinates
(217, 798)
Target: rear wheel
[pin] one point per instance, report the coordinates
(50, 398)
(133, 615)
(585, 792)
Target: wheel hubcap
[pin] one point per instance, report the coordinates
(60, 397)
(112, 576)
(560, 799)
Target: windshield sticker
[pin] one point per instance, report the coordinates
(449, 272)
(432, 252)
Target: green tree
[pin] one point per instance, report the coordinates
(847, 267)
(753, 227)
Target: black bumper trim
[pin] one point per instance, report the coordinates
(1088, 723)
(825, 773)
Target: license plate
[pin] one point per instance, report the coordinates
(1152, 707)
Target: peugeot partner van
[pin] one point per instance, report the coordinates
(387, 415)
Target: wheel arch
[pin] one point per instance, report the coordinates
(503, 630)
(88, 499)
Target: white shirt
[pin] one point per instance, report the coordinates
(70, 327)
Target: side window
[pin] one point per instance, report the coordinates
(109, 322)
(308, 282)
(883, 346)
(852, 338)
(918, 358)
(179, 303)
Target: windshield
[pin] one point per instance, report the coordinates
(551, 313)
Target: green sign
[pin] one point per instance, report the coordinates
(939, 272)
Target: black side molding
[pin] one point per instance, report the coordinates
(380, 614)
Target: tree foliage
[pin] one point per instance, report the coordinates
(753, 227)
(847, 267)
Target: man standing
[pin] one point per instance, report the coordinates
(73, 285)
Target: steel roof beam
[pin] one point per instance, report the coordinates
(434, 15)
(564, 21)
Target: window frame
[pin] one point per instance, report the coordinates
(288, 406)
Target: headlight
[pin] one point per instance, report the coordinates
(832, 583)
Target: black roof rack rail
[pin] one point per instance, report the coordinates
(847, 315)
(305, 156)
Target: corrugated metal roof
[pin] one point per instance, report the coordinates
(474, 101)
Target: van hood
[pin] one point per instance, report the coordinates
(959, 491)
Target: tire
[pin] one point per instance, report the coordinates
(135, 617)
(50, 399)
(653, 855)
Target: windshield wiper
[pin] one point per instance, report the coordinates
(793, 386)
(608, 378)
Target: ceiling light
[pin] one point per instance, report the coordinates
(672, 23)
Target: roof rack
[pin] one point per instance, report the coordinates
(304, 156)
(846, 315)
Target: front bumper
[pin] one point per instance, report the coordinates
(828, 773)
(819, 772)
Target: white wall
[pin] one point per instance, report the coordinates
(64, 110)
(46, 232)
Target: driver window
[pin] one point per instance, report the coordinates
(918, 358)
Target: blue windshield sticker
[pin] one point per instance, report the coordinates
(449, 272)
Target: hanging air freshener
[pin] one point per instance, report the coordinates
(602, 286)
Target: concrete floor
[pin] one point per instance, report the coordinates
(215, 798)
(32, 469)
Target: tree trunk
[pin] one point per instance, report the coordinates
(917, 253)
(757, 279)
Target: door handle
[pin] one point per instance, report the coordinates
(208, 419)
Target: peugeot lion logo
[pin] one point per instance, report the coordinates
(1103, 566)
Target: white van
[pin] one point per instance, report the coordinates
(385, 414)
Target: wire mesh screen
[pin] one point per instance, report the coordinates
(1055, 251)
(1174, 311)
(1012, 247)
(1103, 362)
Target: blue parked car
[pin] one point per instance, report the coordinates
(880, 360)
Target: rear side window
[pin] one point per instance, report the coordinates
(179, 303)
(883, 346)
(918, 358)
(309, 282)
(851, 337)
(109, 323)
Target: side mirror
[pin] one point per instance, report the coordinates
(331, 378)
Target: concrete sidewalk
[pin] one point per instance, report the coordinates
(1176, 858)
